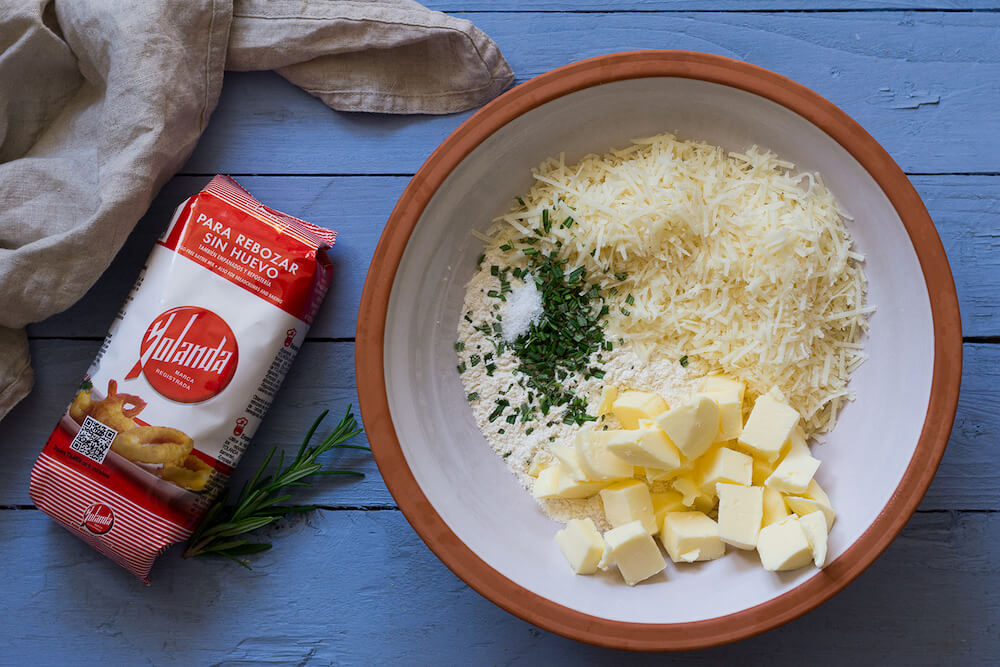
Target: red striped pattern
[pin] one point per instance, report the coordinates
(137, 537)
(233, 194)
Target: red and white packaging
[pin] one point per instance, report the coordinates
(185, 375)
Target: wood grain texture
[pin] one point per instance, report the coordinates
(460, 7)
(926, 85)
(965, 209)
(323, 377)
(360, 588)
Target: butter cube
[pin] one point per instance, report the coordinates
(667, 501)
(581, 544)
(596, 461)
(724, 465)
(741, 512)
(814, 526)
(559, 482)
(768, 427)
(784, 546)
(547, 483)
(690, 537)
(692, 427)
(730, 413)
(657, 475)
(761, 471)
(816, 492)
(608, 396)
(625, 502)
(646, 446)
(569, 458)
(631, 406)
(814, 499)
(635, 552)
(723, 383)
(576, 489)
(795, 471)
(692, 494)
(540, 460)
(774, 507)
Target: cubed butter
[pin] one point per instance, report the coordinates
(774, 507)
(691, 494)
(761, 471)
(666, 501)
(691, 536)
(634, 551)
(814, 526)
(784, 546)
(559, 482)
(723, 383)
(625, 502)
(722, 464)
(796, 469)
(541, 459)
(596, 461)
(741, 512)
(814, 499)
(581, 544)
(608, 396)
(569, 457)
(768, 427)
(730, 413)
(631, 406)
(646, 446)
(657, 475)
(547, 483)
(576, 489)
(692, 427)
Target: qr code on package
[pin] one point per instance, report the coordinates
(94, 439)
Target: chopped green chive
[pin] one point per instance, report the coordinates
(474, 396)
(684, 361)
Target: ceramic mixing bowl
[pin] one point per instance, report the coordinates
(459, 496)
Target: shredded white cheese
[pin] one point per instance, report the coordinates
(731, 259)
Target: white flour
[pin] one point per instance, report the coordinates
(518, 442)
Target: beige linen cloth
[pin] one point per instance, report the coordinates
(102, 101)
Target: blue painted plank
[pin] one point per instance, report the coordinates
(323, 377)
(966, 210)
(925, 84)
(477, 6)
(360, 588)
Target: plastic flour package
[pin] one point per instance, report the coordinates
(187, 371)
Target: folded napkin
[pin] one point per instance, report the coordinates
(101, 102)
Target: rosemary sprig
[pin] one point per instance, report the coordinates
(259, 501)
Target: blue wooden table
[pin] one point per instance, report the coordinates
(352, 583)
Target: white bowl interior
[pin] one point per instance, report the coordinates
(471, 488)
